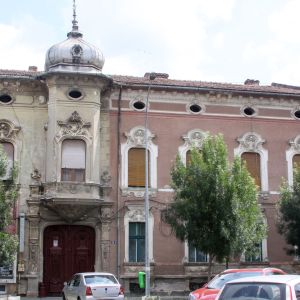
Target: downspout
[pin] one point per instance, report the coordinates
(118, 181)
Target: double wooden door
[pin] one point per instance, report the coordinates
(68, 249)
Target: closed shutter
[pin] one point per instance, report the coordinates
(8, 149)
(136, 167)
(188, 157)
(296, 160)
(253, 165)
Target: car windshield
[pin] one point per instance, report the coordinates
(100, 279)
(219, 281)
(253, 291)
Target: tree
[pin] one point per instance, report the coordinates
(289, 212)
(8, 194)
(215, 204)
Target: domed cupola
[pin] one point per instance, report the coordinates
(74, 54)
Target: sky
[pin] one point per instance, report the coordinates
(207, 40)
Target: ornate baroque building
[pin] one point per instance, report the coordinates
(78, 138)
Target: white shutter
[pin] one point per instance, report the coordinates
(73, 154)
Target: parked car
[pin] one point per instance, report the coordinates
(210, 290)
(279, 287)
(93, 286)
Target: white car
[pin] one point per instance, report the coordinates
(273, 287)
(93, 286)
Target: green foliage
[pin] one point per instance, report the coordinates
(8, 195)
(215, 204)
(289, 211)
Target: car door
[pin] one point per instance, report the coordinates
(71, 289)
(77, 288)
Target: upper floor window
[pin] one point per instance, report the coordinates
(252, 160)
(133, 162)
(8, 149)
(251, 150)
(136, 241)
(73, 160)
(137, 167)
(193, 139)
(296, 160)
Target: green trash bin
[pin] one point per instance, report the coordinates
(142, 278)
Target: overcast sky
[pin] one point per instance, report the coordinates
(207, 40)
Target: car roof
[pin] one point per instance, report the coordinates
(270, 278)
(94, 273)
(250, 270)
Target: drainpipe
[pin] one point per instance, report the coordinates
(118, 181)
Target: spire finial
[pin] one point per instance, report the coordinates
(75, 32)
(74, 22)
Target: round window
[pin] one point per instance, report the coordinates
(139, 105)
(195, 108)
(249, 111)
(5, 98)
(75, 94)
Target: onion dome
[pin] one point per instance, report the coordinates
(74, 54)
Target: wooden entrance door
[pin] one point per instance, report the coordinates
(67, 250)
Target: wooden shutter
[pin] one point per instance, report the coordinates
(253, 165)
(136, 167)
(188, 157)
(296, 160)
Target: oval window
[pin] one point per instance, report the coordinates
(75, 94)
(195, 108)
(5, 98)
(139, 105)
(297, 114)
(249, 111)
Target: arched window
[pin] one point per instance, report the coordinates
(8, 149)
(252, 160)
(252, 151)
(296, 160)
(137, 167)
(73, 160)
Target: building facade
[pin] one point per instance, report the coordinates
(78, 138)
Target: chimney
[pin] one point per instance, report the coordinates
(154, 75)
(32, 68)
(251, 82)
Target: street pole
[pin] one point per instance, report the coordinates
(147, 261)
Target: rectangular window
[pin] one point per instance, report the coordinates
(136, 167)
(136, 241)
(257, 256)
(73, 160)
(252, 160)
(196, 255)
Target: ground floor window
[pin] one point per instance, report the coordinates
(257, 256)
(136, 241)
(195, 255)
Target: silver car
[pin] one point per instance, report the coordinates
(93, 286)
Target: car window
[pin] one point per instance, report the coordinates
(297, 291)
(76, 280)
(100, 279)
(219, 281)
(256, 290)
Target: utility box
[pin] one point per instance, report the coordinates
(142, 279)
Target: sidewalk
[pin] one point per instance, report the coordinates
(126, 298)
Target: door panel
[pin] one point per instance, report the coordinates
(67, 250)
